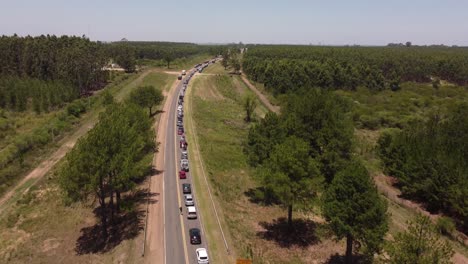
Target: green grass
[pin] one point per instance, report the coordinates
(260, 110)
(398, 109)
(188, 63)
(261, 87)
(216, 68)
(160, 80)
(219, 129)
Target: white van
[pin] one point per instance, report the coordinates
(191, 212)
(184, 72)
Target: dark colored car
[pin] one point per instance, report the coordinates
(182, 175)
(195, 236)
(180, 131)
(186, 188)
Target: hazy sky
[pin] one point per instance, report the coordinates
(337, 22)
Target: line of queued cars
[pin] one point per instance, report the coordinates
(194, 233)
(201, 66)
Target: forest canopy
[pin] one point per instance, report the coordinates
(289, 68)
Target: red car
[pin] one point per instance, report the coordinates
(180, 131)
(182, 175)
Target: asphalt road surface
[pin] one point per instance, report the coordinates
(178, 249)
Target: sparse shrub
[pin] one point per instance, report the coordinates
(76, 108)
(445, 226)
(12, 219)
(369, 122)
(107, 98)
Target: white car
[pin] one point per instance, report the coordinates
(191, 213)
(202, 256)
(189, 200)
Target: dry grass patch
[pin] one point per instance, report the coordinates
(208, 91)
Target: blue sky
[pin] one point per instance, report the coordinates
(335, 22)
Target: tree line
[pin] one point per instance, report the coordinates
(152, 50)
(429, 161)
(107, 164)
(289, 68)
(75, 60)
(20, 94)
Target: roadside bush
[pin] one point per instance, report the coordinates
(76, 108)
(445, 226)
(12, 219)
(107, 98)
(369, 122)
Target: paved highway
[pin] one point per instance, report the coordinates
(178, 249)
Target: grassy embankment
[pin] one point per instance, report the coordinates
(253, 230)
(39, 228)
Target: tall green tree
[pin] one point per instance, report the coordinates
(250, 103)
(291, 175)
(320, 118)
(226, 59)
(168, 57)
(146, 96)
(125, 56)
(235, 63)
(107, 162)
(420, 244)
(263, 137)
(355, 211)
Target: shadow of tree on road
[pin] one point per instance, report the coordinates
(127, 225)
(302, 233)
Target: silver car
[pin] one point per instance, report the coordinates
(184, 165)
(189, 200)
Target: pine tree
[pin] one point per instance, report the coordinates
(420, 244)
(291, 175)
(355, 210)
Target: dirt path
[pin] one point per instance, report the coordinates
(172, 72)
(66, 144)
(260, 96)
(154, 252)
